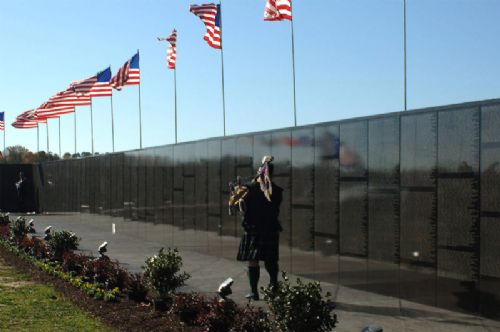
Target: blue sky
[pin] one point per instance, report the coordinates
(349, 63)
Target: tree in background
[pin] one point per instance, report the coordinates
(28, 157)
(15, 154)
(44, 156)
(18, 154)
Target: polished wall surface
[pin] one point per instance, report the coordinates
(403, 204)
(9, 194)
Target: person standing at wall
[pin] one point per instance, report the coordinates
(260, 242)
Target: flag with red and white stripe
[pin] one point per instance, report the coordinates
(172, 48)
(2, 120)
(27, 120)
(95, 86)
(129, 74)
(210, 16)
(48, 110)
(69, 97)
(278, 10)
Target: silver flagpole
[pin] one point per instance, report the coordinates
(404, 29)
(59, 118)
(47, 135)
(175, 102)
(91, 126)
(37, 138)
(222, 68)
(293, 72)
(75, 129)
(112, 125)
(140, 115)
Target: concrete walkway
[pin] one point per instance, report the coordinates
(210, 259)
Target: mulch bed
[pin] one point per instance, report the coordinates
(124, 315)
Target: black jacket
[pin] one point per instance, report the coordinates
(260, 215)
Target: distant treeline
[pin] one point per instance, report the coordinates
(18, 154)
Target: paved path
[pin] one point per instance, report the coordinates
(209, 260)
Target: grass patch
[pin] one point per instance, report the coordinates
(25, 306)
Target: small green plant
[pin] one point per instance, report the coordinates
(4, 219)
(162, 273)
(301, 307)
(18, 229)
(62, 242)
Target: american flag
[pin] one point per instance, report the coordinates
(129, 74)
(172, 49)
(95, 86)
(48, 110)
(69, 97)
(278, 10)
(26, 120)
(210, 16)
(2, 121)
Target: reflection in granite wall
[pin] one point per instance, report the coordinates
(489, 264)
(458, 205)
(353, 189)
(326, 189)
(228, 174)
(302, 199)
(405, 204)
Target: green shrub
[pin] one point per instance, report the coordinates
(4, 219)
(301, 307)
(161, 273)
(62, 242)
(74, 263)
(18, 229)
(105, 272)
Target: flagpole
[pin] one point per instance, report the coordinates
(47, 135)
(175, 102)
(293, 72)
(4, 130)
(404, 29)
(112, 125)
(91, 126)
(37, 137)
(59, 118)
(140, 115)
(75, 129)
(222, 68)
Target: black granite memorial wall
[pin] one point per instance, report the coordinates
(403, 204)
(10, 199)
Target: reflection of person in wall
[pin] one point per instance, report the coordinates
(21, 185)
(260, 242)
